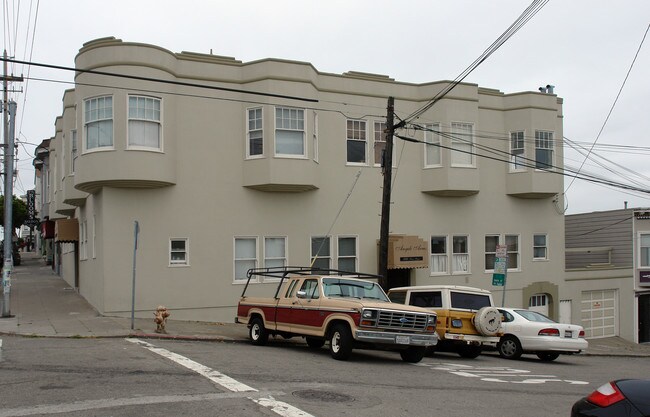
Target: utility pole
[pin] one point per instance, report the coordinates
(385, 202)
(9, 109)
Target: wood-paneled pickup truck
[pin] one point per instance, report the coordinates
(347, 309)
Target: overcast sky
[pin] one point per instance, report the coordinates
(582, 47)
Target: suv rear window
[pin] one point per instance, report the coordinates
(426, 299)
(397, 297)
(469, 301)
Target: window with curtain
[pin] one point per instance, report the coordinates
(245, 256)
(460, 254)
(178, 252)
(462, 144)
(144, 122)
(543, 149)
(255, 144)
(356, 141)
(438, 255)
(275, 252)
(517, 151)
(432, 145)
(347, 256)
(321, 252)
(540, 250)
(644, 246)
(98, 122)
(289, 131)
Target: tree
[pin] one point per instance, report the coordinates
(19, 211)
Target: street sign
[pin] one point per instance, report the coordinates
(500, 266)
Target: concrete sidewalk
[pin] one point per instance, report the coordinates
(43, 305)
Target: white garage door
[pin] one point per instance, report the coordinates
(599, 313)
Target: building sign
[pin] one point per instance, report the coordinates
(407, 252)
(644, 277)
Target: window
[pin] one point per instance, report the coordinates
(430, 299)
(320, 252)
(543, 149)
(310, 288)
(356, 140)
(275, 251)
(540, 251)
(645, 250)
(537, 300)
(438, 255)
(512, 242)
(517, 151)
(73, 150)
(178, 252)
(462, 144)
(144, 122)
(255, 143)
(245, 256)
(83, 240)
(491, 242)
(432, 145)
(460, 254)
(315, 144)
(289, 131)
(98, 122)
(347, 257)
(469, 301)
(380, 143)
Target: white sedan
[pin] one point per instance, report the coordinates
(526, 331)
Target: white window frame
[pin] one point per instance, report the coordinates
(185, 251)
(315, 138)
(432, 146)
(254, 260)
(516, 252)
(544, 143)
(490, 268)
(379, 142)
(460, 258)
(537, 246)
(346, 257)
(328, 256)
(147, 116)
(290, 124)
(83, 240)
(90, 120)
(356, 132)
(643, 247)
(517, 150)
(439, 258)
(74, 151)
(254, 125)
(272, 261)
(461, 146)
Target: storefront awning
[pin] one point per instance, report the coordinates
(66, 230)
(407, 252)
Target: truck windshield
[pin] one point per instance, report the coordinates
(341, 287)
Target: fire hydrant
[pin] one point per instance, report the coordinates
(160, 318)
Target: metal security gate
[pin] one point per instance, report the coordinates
(599, 311)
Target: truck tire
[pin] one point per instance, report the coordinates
(315, 342)
(257, 332)
(469, 351)
(413, 354)
(509, 347)
(487, 321)
(340, 342)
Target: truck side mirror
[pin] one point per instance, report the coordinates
(301, 294)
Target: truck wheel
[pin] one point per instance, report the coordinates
(340, 342)
(413, 354)
(469, 351)
(548, 356)
(509, 347)
(257, 332)
(315, 342)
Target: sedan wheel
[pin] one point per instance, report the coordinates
(509, 347)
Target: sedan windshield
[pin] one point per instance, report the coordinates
(341, 287)
(534, 316)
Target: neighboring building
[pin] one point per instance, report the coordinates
(220, 180)
(608, 273)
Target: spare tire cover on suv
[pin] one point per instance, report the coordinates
(487, 321)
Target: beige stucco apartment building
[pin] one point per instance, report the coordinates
(227, 165)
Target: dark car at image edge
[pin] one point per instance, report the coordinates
(620, 398)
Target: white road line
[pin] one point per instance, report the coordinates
(281, 408)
